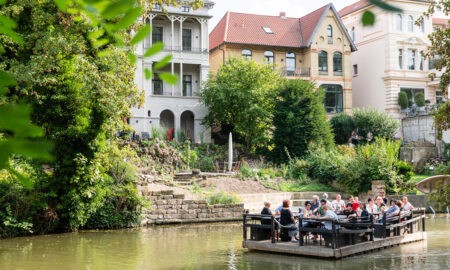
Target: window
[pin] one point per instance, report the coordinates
(410, 23)
(247, 54)
(330, 34)
(440, 97)
(411, 60)
(157, 7)
(399, 22)
(422, 26)
(337, 63)
(267, 29)
(400, 58)
(187, 39)
(333, 98)
(187, 85)
(353, 34)
(290, 64)
(185, 8)
(355, 70)
(268, 57)
(421, 60)
(323, 62)
(157, 34)
(411, 93)
(157, 85)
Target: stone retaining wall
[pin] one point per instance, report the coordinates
(167, 207)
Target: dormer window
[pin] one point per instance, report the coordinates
(267, 30)
(157, 7)
(185, 8)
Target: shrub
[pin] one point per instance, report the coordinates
(222, 198)
(342, 125)
(379, 123)
(419, 98)
(403, 100)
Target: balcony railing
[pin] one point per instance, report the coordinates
(298, 72)
(181, 49)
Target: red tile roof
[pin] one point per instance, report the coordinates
(248, 29)
(354, 7)
(242, 28)
(440, 21)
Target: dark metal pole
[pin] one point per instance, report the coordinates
(273, 229)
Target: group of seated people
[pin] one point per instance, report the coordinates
(337, 210)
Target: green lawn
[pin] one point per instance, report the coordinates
(418, 177)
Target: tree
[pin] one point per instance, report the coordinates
(79, 96)
(342, 125)
(241, 96)
(299, 119)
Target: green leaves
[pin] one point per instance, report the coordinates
(157, 47)
(168, 77)
(141, 34)
(116, 8)
(368, 17)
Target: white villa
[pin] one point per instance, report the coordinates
(184, 33)
(388, 59)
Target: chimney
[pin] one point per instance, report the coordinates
(283, 15)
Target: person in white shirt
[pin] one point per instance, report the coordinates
(407, 205)
(338, 204)
(372, 208)
(329, 216)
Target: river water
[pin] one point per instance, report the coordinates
(206, 246)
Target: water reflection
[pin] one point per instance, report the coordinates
(208, 246)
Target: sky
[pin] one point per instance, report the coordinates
(293, 8)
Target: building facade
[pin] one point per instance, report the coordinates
(184, 34)
(389, 57)
(315, 47)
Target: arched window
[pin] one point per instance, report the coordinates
(330, 34)
(410, 23)
(247, 54)
(290, 64)
(353, 34)
(323, 62)
(268, 57)
(399, 22)
(422, 26)
(333, 97)
(337, 63)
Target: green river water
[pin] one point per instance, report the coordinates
(206, 246)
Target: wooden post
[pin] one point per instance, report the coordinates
(300, 226)
(333, 236)
(244, 235)
(273, 229)
(384, 226)
(423, 223)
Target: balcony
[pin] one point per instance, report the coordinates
(181, 49)
(298, 72)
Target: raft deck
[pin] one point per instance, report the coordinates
(343, 243)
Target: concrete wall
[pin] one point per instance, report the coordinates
(167, 207)
(419, 128)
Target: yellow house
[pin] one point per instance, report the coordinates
(315, 47)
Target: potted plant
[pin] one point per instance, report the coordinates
(403, 101)
(419, 98)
